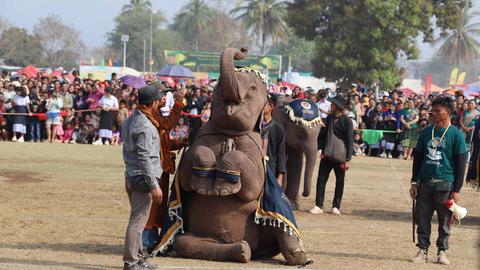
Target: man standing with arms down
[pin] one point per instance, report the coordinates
(141, 153)
(437, 175)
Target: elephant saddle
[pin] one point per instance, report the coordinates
(304, 112)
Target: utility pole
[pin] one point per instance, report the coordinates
(151, 39)
(124, 39)
(144, 54)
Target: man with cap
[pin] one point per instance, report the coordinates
(164, 124)
(273, 141)
(342, 133)
(141, 154)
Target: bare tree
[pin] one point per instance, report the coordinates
(4, 24)
(61, 43)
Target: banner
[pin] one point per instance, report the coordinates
(105, 72)
(270, 64)
(428, 84)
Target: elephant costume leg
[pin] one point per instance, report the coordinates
(191, 246)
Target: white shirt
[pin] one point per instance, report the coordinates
(168, 104)
(110, 102)
(21, 101)
(54, 105)
(324, 106)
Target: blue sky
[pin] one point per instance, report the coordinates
(94, 18)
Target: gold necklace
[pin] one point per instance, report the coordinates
(436, 143)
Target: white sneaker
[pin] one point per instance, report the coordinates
(98, 142)
(389, 156)
(383, 155)
(316, 210)
(442, 258)
(420, 257)
(335, 211)
(14, 138)
(107, 142)
(21, 140)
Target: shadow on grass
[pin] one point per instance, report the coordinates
(469, 221)
(89, 248)
(29, 262)
(357, 255)
(383, 215)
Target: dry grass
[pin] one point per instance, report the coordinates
(64, 207)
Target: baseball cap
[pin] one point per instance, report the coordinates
(148, 94)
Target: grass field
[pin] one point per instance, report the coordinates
(64, 207)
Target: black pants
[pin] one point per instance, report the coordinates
(428, 201)
(326, 167)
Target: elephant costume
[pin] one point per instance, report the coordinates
(302, 124)
(222, 175)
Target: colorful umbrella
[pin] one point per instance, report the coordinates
(133, 81)
(473, 89)
(176, 71)
(30, 71)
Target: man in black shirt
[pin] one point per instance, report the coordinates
(343, 130)
(273, 142)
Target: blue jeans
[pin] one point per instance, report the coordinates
(35, 134)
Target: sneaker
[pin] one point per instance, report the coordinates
(21, 140)
(442, 258)
(144, 263)
(389, 156)
(134, 267)
(107, 142)
(97, 142)
(383, 155)
(14, 138)
(316, 210)
(421, 256)
(335, 211)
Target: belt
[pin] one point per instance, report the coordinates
(433, 181)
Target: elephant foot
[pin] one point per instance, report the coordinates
(297, 257)
(191, 246)
(295, 205)
(203, 171)
(291, 248)
(227, 180)
(242, 252)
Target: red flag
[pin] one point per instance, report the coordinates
(428, 84)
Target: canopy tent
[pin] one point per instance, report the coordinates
(29, 71)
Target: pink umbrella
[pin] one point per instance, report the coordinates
(30, 71)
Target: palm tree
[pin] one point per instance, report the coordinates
(264, 18)
(194, 20)
(460, 44)
(137, 4)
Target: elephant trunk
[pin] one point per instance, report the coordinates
(228, 79)
(310, 161)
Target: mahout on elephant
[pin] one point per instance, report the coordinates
(225, 205)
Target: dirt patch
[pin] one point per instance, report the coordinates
(19, 178)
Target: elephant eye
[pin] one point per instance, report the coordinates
(253, 87)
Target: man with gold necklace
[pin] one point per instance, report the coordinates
(437, 175)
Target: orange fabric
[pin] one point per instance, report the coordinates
(167, 160)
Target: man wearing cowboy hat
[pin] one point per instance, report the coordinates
(341, 137)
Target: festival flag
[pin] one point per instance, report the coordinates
(110, 63)
(461, 78)
(453, 77)
(428, 84)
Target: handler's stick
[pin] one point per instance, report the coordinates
(413, 220)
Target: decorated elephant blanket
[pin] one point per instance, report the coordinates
(273, 209)
(303, 111)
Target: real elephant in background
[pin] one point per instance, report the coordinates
(302, 124)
